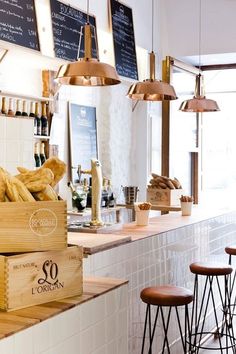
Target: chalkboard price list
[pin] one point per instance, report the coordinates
(68, 35)
(18, 23)
(123, 39)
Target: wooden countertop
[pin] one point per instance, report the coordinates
(157, 225)
(15, 321)
(93, 243)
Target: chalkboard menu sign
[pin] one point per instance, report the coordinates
(123, 39)
(18, 23)
(83, 137)
(68, 34)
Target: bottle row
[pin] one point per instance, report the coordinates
(81, 195)
(39, 154)
(24, 108)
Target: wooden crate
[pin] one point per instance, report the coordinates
(33, 226)
(164, 196)
(34, 278)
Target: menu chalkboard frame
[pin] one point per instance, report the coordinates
(113, 40)
(37, 50)
(77, 9)
(73, 145)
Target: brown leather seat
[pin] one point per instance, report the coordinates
(231, 250)
(210, 268)
(168, 295)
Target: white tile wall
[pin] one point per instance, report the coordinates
(16, 143)
(90, 328)
(161, 259)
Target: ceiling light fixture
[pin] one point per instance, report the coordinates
(87, 71)
(152, 89)
(199, 103)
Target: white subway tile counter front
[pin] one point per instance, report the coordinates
(161, 253)
(79, 325)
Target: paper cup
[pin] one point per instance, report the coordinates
(142, 217)
(186, 208)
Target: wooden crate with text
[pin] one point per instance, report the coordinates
(164, 196)
(34, 278)
(33, 226)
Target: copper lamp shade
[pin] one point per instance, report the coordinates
(152, 89)
(199, 103)
(87, 71)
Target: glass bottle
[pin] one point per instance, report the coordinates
(42, 153)
(104, 201)
(38, 119)
(44, 120)
(111, 197)
(32, 109)
(78, 199)
(10, 111)
(37, 155)
(24, 109)
(3, 109)
(18, 110)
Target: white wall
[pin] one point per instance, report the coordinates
(180, 27)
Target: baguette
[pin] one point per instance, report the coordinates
(47, 194)
(58, 168)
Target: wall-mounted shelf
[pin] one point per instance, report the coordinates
(26, 97)
(42, 137)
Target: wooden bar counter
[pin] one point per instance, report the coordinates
(159, 253)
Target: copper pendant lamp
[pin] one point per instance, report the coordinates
(87, 71)
(199, 103)
(152, 89)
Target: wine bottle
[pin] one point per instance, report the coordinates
(24, 109)
(104, 200)
(111, 197)
(78, 201)
(32, 109)
(38, 119)
(10, 111)
(18, 111)
(3, 109)
(36, 155)
(44, 120)
(42, 153)
(89, 195)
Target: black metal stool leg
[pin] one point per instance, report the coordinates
(145, 327)
(180, 329)
(165, 327)
(150, 331)
(154, 328)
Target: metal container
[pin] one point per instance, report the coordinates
(130, 194)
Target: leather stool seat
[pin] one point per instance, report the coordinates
(210, 268)
(168, 295)
(231, 250)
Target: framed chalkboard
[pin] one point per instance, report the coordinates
(123, 39)
(18, 23)
(68, 34)
(83, 137)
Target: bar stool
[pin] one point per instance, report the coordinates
(231, 251)
(212, 287)
(166, 296)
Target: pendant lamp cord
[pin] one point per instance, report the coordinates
(200, 33)
(88, 11)
(152, 22)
